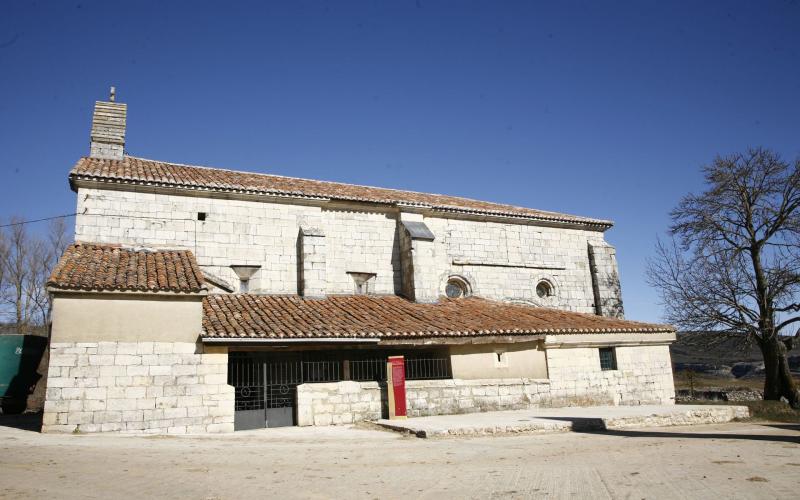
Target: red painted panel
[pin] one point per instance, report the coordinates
(399, 385)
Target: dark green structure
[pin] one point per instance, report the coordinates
(19, 359)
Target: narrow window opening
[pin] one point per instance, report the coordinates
(502, 359)
(363, 283)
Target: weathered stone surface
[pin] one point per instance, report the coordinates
(138, 391)
(356, 239)
(643, 376)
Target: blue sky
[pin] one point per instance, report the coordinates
(598, 109)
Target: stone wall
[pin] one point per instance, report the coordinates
(502, 261)
(138, 387)
(334, 403)
(506, 261)
(448, 397)
(348, 402)
(643, 376)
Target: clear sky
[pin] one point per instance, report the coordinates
(592, 108)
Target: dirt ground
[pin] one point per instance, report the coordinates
(738, 460)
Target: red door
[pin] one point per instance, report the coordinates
(398, 381)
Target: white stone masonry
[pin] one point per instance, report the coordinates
(137, 387)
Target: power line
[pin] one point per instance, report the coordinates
(20, 223)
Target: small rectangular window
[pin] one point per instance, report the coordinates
(201, 216)
(608, 358)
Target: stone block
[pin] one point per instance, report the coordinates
(113, 371)
(63, 359)
(133, 416)
(215, 379)
(174, 413)
(323, 419)
(121, 404)
(163, 348)
(80, 417)
(126, 359)
(184, 348)
(137, 370)
(219, 428)
(184, 370)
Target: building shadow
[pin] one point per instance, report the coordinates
(23, 421)
(597, 426)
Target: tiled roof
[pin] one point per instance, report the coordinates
(95, 267)
(244, 316)
(139, 171)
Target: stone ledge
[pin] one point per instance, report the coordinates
(597, 419)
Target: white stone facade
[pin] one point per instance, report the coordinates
(643, 376)
(137, 387)
(499, 260)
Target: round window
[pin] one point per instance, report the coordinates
(456, 288)
(544, 289)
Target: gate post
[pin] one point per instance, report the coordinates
(396, 387)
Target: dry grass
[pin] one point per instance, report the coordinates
(773, 411)
(684, 379)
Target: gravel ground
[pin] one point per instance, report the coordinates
(736, 460)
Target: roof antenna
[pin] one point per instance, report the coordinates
(113, 94)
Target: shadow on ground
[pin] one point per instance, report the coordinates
(598, 426)
(24, 421)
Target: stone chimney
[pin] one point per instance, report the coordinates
(108, 128)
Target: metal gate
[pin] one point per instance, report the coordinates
(266, 387)
(266, 383)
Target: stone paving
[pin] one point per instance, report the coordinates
(541, 420)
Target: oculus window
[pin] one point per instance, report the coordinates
(456, 288)
(544, 289)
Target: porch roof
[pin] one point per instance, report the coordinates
(242, 317)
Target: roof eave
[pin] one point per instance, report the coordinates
(79, 180)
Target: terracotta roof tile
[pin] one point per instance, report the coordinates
(245, 316)
(139, 171)
(88, 266)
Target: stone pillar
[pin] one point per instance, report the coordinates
(417, 259)
(311, 262)
(605, 280)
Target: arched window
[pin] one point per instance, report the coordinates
(456, 288)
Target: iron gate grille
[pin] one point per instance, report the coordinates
(266, 384)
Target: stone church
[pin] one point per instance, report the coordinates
(200, 299)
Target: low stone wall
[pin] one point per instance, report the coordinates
(348, 402)
(137, 387)
(334, 403)
(448, 397)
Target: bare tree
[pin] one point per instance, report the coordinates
(25, 265)
(733, 264)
